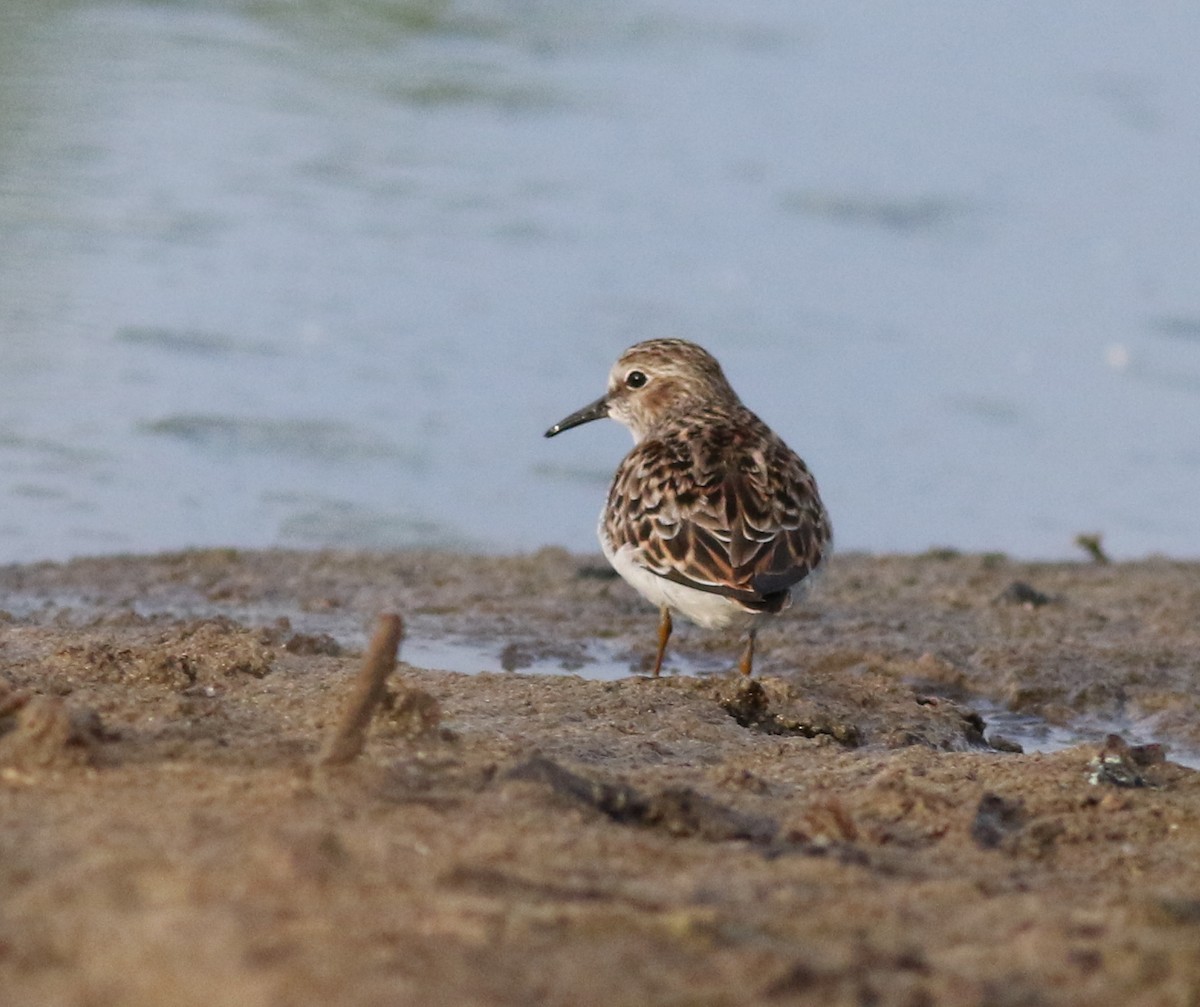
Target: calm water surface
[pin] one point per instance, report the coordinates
(314, 273)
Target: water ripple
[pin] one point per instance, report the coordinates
(324, 440)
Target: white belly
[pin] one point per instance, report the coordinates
(712, 611)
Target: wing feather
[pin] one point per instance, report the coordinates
(721, 504)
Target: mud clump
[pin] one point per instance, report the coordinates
(1023, 594)
(1120, 764)
(747, 703)
(43, 732)
(209, 652)
(678, 811)
(996, 819)
(409, 713)
(311, 644)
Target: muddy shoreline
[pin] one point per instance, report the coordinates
(847, 828)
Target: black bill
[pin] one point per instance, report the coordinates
(598, 410)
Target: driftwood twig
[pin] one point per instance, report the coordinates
(350, 733)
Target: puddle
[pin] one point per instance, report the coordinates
(1034, 734)
(594, 660)
(471, 657)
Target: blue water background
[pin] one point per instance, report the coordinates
(309, 273)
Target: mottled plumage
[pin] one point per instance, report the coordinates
(710, 515)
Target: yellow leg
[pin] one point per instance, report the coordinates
(664, 634)
(746, 665)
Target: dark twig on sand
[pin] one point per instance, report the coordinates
(350, 735)
(1093, 545)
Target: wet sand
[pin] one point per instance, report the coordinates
(851, 826)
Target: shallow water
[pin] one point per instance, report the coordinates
(1034, 734)
(313, 274)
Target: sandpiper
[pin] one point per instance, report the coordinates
(711, 515)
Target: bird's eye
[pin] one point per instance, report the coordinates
(635, 379)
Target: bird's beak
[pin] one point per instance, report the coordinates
(598, 410)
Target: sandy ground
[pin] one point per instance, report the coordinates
(854, 826)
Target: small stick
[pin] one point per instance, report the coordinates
(1093, 546)
(350, 735)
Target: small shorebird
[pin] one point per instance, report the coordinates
(710, 515)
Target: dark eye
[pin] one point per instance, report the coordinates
(635, 379)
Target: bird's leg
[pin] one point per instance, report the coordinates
(746, 665)
(664, 634)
